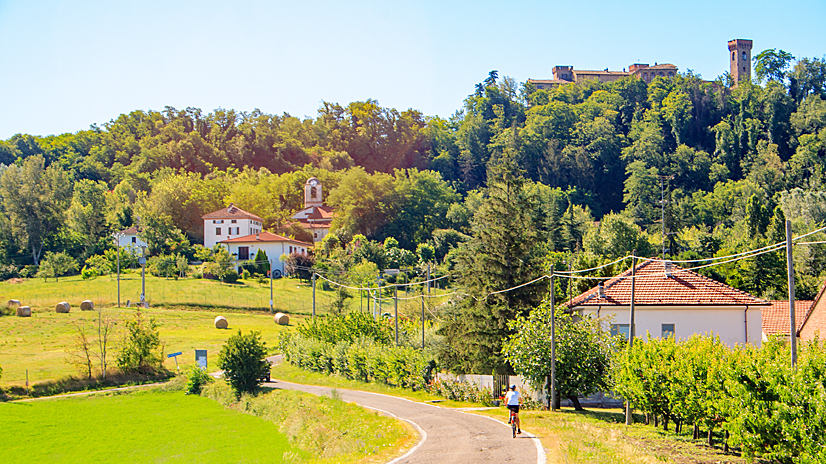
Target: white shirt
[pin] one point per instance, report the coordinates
(512, 398)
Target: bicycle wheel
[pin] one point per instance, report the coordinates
(513, 425)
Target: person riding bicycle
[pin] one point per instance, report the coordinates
(512, 401)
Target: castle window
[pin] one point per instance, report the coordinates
(313, 192)
(733, 56)
(745, 57)
(744, 69)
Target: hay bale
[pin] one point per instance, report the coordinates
(282, 319)
(62, 307)
(221, 322)
(13, 304)
(87, 305)
(24, 311)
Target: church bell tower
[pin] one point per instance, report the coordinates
(312, 193)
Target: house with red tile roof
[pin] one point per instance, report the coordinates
(129, 238)
(776, 317)
(813, 324)
(672, 301)
(315, 218)
(245, 248)
(228, 223)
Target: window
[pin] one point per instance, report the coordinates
(667, 330)
(291, 249)
(315, 234)
(237, 231)
(243, 253)
(744, 69)
(217, 231)
(620, 329)
(134, 239)
(733, 56)
(745, 57)
(233, 221)
(313, 192)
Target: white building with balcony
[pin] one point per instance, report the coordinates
(229, 223)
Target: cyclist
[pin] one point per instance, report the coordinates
(512, 401)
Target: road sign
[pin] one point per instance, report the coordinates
(172, 355)
(201, 358)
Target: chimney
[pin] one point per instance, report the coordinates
(601, 289)
(256, 237)
(668, 269)
(229, 208)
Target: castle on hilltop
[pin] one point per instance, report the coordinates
(740, 70)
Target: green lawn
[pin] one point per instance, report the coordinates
(167, 427)
(158, 427)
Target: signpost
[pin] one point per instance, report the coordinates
(175, 355)
(201, 358)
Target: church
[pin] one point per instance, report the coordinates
(315, 218)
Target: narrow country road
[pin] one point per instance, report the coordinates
(445, 435)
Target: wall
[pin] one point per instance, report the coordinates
(126, 241)
(245, 227)
(274, 250)
(727, 322)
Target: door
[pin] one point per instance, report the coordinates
(243, 253)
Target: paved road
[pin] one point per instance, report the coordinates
(446, 435)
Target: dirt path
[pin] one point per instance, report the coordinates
(446, 435)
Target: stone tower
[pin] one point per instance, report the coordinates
(740, 59)
(312, 193)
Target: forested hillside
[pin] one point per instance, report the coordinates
(605, 166)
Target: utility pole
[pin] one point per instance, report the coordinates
(117, 239)
(143, 276)
(428, 278)
(272, 309)
(663, 202)
(553, 343)
(629, 419)
(377, 306)
(313, 296)
(396, 309)
(790, 267)
(423, 320)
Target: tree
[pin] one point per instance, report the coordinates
(243, 360)
(87, 213)
(55, 265)
(771, 65)
(221, 264)
(141, 349)
(583, 353)
(35, 198)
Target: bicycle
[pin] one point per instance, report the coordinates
(512, 421)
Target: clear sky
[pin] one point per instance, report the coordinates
(69, 64)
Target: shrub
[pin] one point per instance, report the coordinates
(245, 275)
(7, 271)
(350, 327)
(141, 350)
(243, 361)
(101, 264)
(231, 276)
(56, 265)
(196, 379)
(89, 273)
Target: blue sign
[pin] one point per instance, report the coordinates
(172, 355)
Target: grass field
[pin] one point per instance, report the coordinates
(170, 427)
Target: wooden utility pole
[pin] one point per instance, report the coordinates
(396, 311)
(271, 302)
(790, 268)
(313, 296)
(629, 419)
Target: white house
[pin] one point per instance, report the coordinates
(245, 248)
(129, 238)
(228, 223)
(315, 217)
(669, 300)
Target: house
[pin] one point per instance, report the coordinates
(315, 217)
(672, 301)
(230, 222)
(246, 247)
(776, 317)
(813, 324)
(129, 238)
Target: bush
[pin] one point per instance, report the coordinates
(231, 276)
(243, 361)
(7, 271)
(350, 327)
(196, 379)
(89, 273)
(56, 265)
(245, 275)
(101, 264)
(141, 350)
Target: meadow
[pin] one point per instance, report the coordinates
(169, 427)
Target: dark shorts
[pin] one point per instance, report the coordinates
(514, 408)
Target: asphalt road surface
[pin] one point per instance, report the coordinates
(445, 435)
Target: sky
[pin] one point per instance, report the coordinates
(69, 64)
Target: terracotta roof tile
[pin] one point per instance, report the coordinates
(130, 231)
(264, 237)
(654, 288)
(776, 317)
(231, 212)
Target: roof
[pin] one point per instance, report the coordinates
(265, 237)
(231, 212)
(130, 231)
(609, 73)
(811, 309)
(549, 81)
(776, 317)
(654, 288)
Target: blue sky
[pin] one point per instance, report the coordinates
(66, 65)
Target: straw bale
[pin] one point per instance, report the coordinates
(13, 304)
(282, 319)
(62, 307)
(221, 322)
(87, 305)
(24, 311)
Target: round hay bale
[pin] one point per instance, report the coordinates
(62, 307)
(24, 311)
(282, 319)
(221, 322)
(13, 304)
(87, 305)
